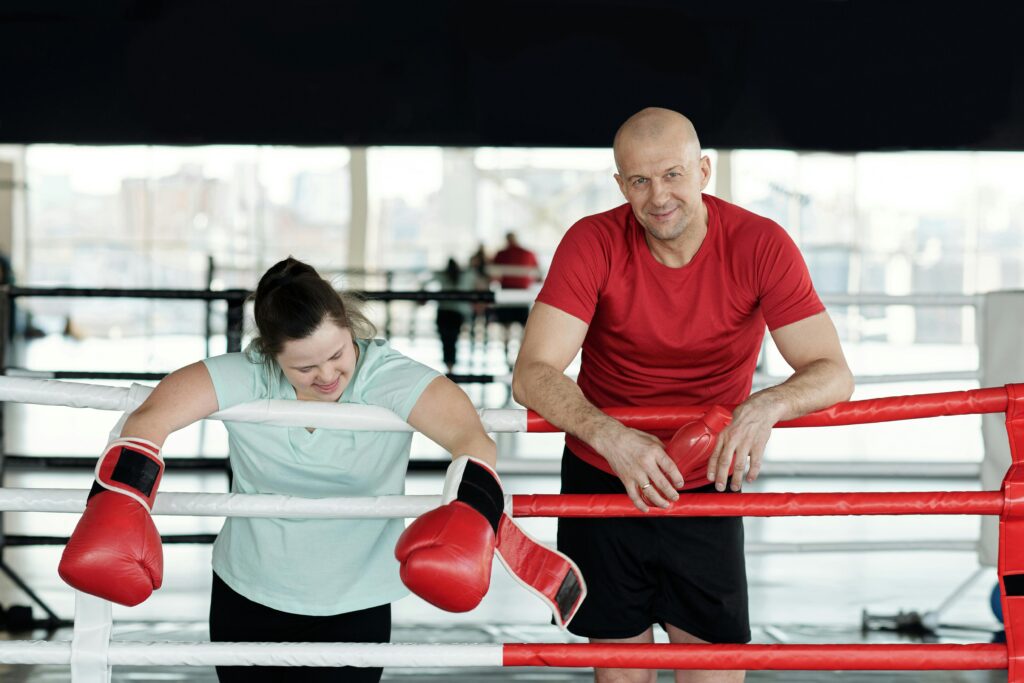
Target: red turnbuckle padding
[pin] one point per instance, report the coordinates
(1011, 536)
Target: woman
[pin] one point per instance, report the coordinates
(318, 580)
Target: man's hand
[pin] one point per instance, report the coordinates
(640, 461)
(745, 438)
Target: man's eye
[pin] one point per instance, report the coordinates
(639, 181)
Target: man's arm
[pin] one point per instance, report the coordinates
(821, 378)
(552, 339)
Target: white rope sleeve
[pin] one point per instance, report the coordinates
(503, 420)
(231, 504)
(262, 654)
(284, 413)
(35, 652)
(51, 392)
(278, 412)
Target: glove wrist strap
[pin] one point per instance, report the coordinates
(481, 490)
(132, 467)
(547, 573)
(476, 484)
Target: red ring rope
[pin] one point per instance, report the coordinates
(973, 402)
(765, 504)
(758, 657)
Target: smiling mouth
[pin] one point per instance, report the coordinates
(327, 388)
(663, 215)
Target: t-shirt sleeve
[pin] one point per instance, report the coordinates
(785, 289)
(236, 379)
(396, 381)
(578, 272)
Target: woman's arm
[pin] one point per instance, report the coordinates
(183, 397)
(447, 417)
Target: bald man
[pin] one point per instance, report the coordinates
(669, 296)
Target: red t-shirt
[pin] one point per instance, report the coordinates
(662, 336)
(516, 256)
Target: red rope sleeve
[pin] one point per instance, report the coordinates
(765, 504)
(759, 657)
(889, 409)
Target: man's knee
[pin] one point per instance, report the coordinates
(625, 676)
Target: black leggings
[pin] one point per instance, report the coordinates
(234, 618)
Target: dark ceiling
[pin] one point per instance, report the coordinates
(829, 75)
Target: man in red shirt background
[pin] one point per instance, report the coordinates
(523, 272)
(668, 297)
(515, 268)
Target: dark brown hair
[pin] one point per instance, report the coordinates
(292, 300)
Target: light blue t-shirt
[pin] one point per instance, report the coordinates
(316, 566)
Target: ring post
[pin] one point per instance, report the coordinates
(1011, 536)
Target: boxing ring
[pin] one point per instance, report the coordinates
(91, 652)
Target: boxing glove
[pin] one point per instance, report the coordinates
(115, 551)
(692, 444)
(447, 553)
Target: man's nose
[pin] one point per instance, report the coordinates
(659, 191)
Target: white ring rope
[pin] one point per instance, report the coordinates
(802, 547)
(278, 412)
(51, 392)
(234, 504)
(122, 652)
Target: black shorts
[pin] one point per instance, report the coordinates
(235, 618)
(685, 571)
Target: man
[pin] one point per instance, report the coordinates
(516, 265)
(668, 296)
(516, 268)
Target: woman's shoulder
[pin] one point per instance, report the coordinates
(236, 359)
(246, 371)
(374, 352)
(387, 377)
(379, 359)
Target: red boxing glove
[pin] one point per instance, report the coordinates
(115, 552)
(447, 553)
(692, 444)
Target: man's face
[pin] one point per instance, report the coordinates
(662, 179)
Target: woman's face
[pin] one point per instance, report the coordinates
(321, 365)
